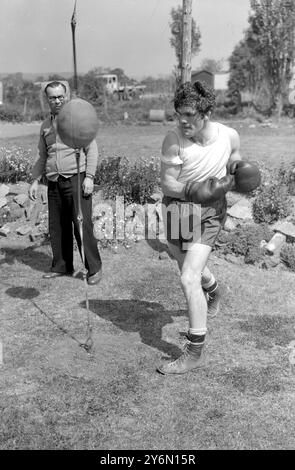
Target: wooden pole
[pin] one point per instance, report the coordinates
(73, 27)
(186, 67)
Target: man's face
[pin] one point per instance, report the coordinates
(56, 98)
(191, 121)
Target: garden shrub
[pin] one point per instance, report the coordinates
(272, 199)
(286, 176)
(135, 183)
(245, 241)
(11, 115)
(287, 255)
(15, 164)
(272, 203)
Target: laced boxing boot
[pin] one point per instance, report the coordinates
(192, 358)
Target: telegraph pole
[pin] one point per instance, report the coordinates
(186, 59)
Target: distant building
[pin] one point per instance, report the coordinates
(203, 76)
(218, 81)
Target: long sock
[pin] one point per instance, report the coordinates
(197, 335)
(209, 283)
(211, 286)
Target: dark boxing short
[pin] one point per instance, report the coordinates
(186, 223)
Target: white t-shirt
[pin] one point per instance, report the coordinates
(198, 162)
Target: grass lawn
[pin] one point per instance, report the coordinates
(271, 145)
(56, 396)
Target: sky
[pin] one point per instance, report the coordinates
(35, 35)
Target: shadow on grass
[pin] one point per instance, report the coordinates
(268, 330)
(146, 318)
(29, 293)
(258, 381)
(37, 260)
(20, 292)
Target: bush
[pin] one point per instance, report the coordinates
(10, 115)
(287, 255)
(15, 164)
(272, 199)
(271, 203)
(38, 115)
(286, 176)
(245, 241)
(135, 183)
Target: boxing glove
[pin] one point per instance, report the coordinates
(208, 191)
(246, 175)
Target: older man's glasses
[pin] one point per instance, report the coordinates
(52, 99)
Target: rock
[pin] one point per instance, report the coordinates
(24, 230)
(241, 210)
(3, 201)
(33, 212)
(234, 259)
(15, 211)
(163, 255)
(272, 262)
(97, 197)
(286, 228)
(4, 190)
(19, 188)
(36, 234)
(275, 244)
(21, 199)
(217, 261)
(43, 193)
(230, 224)
(232, 198)
(4, 230)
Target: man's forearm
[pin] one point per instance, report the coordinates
(40, 162)
(91, 159)
(173, 188)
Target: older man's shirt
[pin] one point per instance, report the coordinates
(57, 159)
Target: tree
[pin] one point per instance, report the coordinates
(270, 39)
(176, 36)
(245, 73)
(91, 87)
(212, 65)
(55, 77)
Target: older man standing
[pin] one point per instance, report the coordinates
(59, 163)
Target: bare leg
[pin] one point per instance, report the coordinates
(191, 274)
(180, 256)
(192, 264)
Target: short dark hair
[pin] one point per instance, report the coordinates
(198, 95)
(55, 84)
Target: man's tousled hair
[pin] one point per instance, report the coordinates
(197, 95)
